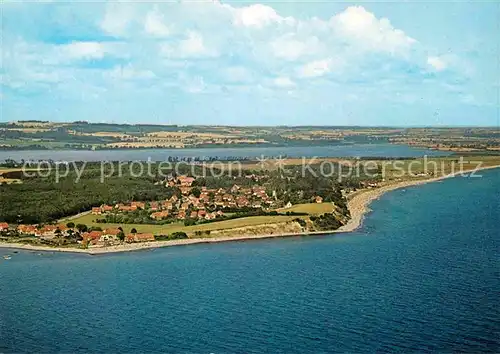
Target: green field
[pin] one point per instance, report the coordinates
(179, 226)
(310, 208)
(439, 165)
(23, 143)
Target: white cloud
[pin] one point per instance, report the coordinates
(316, 68)
(127, 72)
(83, 50)
(283, 81)
(258, 16)
(117, 18)
(154, 24)
(249, 45)
(191, 47)
(437, 63)
(290, 48)
(256, 31)
(358, 26)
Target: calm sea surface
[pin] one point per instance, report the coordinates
(421, 275)
(359, 150)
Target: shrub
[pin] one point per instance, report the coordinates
(189, 222)
(178, 235)
(301, 222)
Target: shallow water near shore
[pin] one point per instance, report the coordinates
(421, 274)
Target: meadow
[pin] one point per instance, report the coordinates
(89, 220)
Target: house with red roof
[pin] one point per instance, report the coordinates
(111, 232)
(122, 207)
(210, 216)
(167, 205)
(109, 235)
(242, 201)
(27, 229)
(159, 215)
(92, 237)
(185, 181)
(256, 204)
(140, 205)
(48, 231)
(147, 237)
(106, 208)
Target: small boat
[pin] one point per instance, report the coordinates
(7, 257)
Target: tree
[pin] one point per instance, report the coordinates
(70, 225)
(81, 227)
(121, 236)
(134, 231)
(196, 192)
(189, 222)
(178, 235)
(58, 236)
(78, 237)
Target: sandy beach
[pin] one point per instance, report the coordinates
(358, 205)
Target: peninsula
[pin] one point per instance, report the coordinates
(227, 208)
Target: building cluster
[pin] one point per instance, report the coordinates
(95, 237)
(202, 204)
(110, 236)
(210, 204)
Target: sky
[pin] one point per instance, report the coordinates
(395, 63)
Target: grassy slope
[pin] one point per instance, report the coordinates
(310, 208)
(445, 165)
(178, 226)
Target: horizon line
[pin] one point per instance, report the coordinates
(256, 126)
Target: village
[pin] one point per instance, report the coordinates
(57, 233)
(193, 205)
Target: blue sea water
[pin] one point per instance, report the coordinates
(421, 275)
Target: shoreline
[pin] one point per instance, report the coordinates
(358, 206)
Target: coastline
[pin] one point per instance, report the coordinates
(358, 206)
